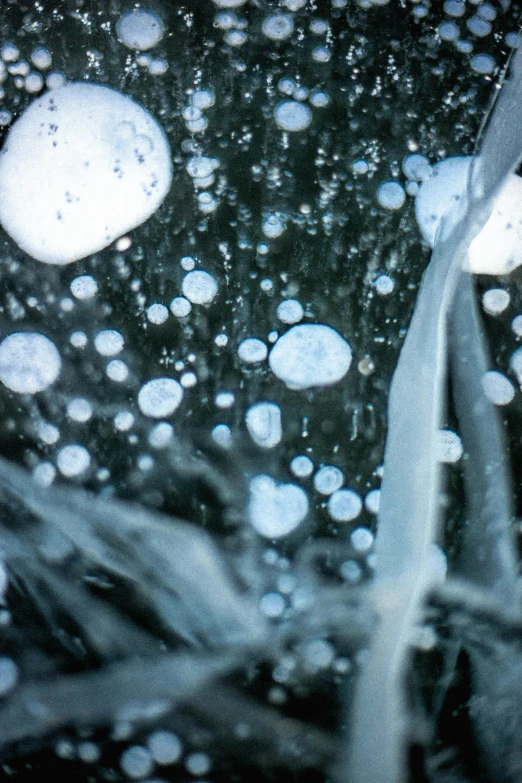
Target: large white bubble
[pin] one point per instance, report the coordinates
(498, 248)
(81, 166)
(139, 29)
(310, 355)
(29, 362)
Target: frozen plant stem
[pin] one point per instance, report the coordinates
(409, 509)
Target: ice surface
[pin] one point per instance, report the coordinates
(81, 166)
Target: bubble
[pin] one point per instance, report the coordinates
(319, 26)
(486, 11)
(516, 364)
(416, 167)
(41, 58)
(278, 26)
(157, 313)
(29, 362)
(455, 8)
(229, 3)
(449, 446)
(9, 52)
(98, 186)
(361, 539)
(88, 752)
(33, 82)
(109, 342)
(160, 397)
(328, 479)
(448, 31)
(319, 99)
(318, 654)
(180, 307)
(136, 762)
(384, 285)
(236, 37)
(47, 432)
(310, 355)
(302, 466)
(272, 605)
(73, 460)
(344, 505)
(513, 39)
(252, 351)
(225, 400)
(498, 247)
(294, 5)
(321, 54)
(139, 29)
(497, 388)
(292, 116)
(351, 571)
(222, 435)
(516, 325)
(483, 64)
(275, 510)
(273, 226)
(372, 501)
(117, 371)
(200, 167)
(495, 301)
(8, 675)
(290, 311)
(263, 421)
(391, 195)
(478, 27)
(199, 287)
(165, 747)
(79, 409)
(124, 421)
(360, 166)
(203, 99)
(84, 287)
(198, 764)
(161, 435)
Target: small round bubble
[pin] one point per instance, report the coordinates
(391, 195)
(157, 313)
(292, 116)
(180, 307)
(328, 479)
(497, 388)
(73, 460)
(290, 311)
(483, 64)
(165, 747)
(199, 287)
(109, 342)
(252, 351)
(302, 466)
(136, 762)
(344, 505)
(160, 397)
(278, 26)
(495, 301)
